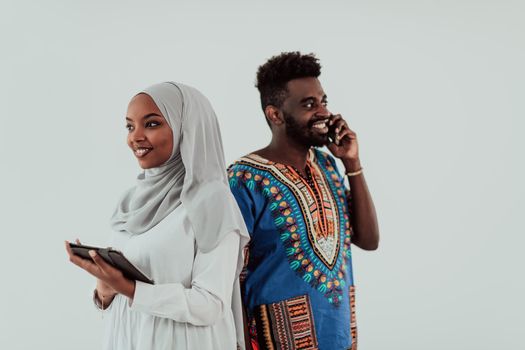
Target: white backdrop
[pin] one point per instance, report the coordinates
(432, 88)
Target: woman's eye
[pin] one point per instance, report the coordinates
(152, 124)
(129, 127)
(325, 103)
(309, 105)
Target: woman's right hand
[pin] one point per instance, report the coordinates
(110, 280)
(104, 292)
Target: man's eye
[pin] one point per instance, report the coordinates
(309, 105)
(325, 103)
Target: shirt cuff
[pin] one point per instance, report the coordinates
(151, 298)
(97, 302)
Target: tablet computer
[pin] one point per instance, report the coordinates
(114, 258)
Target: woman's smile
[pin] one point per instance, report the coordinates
(141, 152)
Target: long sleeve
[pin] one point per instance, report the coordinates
(209, 296)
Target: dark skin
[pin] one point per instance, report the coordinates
(306, 103)
(150, 138)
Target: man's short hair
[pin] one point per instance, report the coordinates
(273, 76)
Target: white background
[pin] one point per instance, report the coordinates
(434, 90)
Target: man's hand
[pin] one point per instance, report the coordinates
(345, 145)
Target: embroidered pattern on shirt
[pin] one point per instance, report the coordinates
(286, 325)
(313, 248)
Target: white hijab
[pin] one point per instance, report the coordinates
(194, 175)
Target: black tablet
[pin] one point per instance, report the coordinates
(114, 258)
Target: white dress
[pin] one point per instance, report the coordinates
(189, 306)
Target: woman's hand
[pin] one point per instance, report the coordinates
(109, 279)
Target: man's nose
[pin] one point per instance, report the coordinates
(323, 111)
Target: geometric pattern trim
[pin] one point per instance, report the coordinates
(286, 325)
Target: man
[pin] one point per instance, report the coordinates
(298, 287)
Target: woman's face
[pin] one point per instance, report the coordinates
(149, 135)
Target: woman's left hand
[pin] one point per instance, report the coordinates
(108, 274)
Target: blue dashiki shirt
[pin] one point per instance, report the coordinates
(298, 287)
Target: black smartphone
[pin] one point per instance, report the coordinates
(331, 132)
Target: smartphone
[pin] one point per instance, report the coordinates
(331, 132)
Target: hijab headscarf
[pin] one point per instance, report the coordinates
(194, 176)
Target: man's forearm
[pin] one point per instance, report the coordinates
(364, 218)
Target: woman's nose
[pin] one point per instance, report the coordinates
(137, 134)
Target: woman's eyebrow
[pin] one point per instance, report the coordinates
(146, 116)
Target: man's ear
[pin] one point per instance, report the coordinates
(274, 115)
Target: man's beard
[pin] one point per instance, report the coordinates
(303, 135)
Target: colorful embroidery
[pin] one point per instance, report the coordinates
(286, 325)
(353, 322)
(297, 208)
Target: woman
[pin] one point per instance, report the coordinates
(180, 225)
